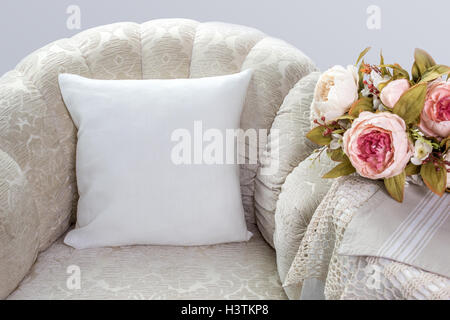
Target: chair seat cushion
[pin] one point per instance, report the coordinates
(245, 270)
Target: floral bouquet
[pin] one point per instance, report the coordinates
(383, 123)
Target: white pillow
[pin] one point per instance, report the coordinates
(131, 191)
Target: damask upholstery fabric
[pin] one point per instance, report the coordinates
(167, 47)
(111, 52)
(286, 147)
(53, 159)
(38, 134)
(227, 271)
(31, 133)
(277, 67)
(221, 48)
(18, 225)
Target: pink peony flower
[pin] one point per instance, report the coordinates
(377, 145)
(393, 91)
(435, 116)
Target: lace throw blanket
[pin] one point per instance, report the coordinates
(355, 277)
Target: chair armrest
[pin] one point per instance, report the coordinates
(286, 147)
(300, 195)
(19, 225)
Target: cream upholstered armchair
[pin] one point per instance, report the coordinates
(38, 192)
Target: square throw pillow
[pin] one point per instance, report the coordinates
(141, 173)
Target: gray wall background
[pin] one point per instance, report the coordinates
(330, 32)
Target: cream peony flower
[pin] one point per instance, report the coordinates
(335, 92)
(421, 152)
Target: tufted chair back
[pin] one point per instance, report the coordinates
(38, 138)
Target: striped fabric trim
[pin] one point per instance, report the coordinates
(416, 231)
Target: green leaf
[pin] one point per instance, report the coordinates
(445, 143)
(412, 169)
(316, 136)
(337, 155)
(399, 72)
(435, 179)
(423, 61)
(346, 117)
(361, 76)
(396, 186)
(342, 169)
(362, 54)
(435, 72)
(384, 70)
(382, 85)
(363, 104)
(415, 72)
(410, 104)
